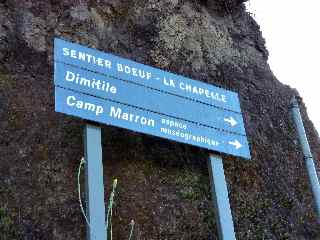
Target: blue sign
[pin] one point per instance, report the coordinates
(125, 116)
(141, 74)
(105, 88)
(130, 93)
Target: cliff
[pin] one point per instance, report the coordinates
(162, 185)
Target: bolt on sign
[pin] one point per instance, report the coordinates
(105, 88)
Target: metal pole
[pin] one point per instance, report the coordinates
(312, 173)
(95, 207)
(220, 198)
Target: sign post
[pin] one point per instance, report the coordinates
(220, 198)
(96, 229)
(104, 88)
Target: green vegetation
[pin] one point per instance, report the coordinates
(15, 119)
(5, 221)
(111, 204)
(7, 225)
(192, 185)
(6, 80)
(110, 210)
(195, 186)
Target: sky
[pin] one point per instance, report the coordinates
(292, 33)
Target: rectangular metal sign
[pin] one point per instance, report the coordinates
(121, 115)
(94, 85)
(99, 85)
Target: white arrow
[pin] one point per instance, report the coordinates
(231, 121)
(236, 143)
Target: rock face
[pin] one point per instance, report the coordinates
(162, 185)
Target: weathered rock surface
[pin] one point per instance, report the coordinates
(163, 186)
